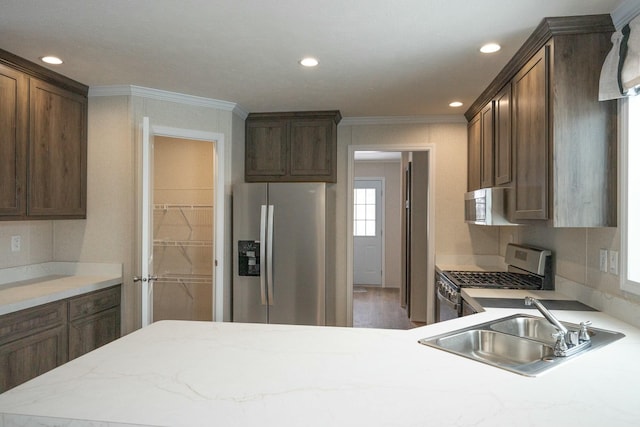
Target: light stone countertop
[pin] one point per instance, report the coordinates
(30, 286)
(176, 373)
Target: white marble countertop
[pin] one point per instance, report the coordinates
(30, 286)
(175, 373)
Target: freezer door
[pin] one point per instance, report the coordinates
(298, 286)
(249, 200)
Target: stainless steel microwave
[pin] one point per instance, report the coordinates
(486, 206)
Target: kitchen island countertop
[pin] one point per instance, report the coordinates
(176, 373)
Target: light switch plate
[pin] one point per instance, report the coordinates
(603, 260)
(613, 262)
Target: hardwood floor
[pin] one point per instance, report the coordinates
(376, 307)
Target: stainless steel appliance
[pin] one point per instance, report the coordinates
(279, 253)
(486, 206)
(528, 268)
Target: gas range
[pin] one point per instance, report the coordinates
(494, 280)
(528, 268)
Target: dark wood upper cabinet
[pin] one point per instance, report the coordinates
(554, 142)
(43, 142)
(291, 147)
(57, 152)
(480, 149)
(474, 153)
(531, 139)
(486, 157)
(502, 136)
(13, 140)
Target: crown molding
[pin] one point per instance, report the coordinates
(403, 120)
(163, 95)
(624, 13)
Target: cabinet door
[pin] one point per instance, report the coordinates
(312, 150)
(13, 138)
(486, 147)
(530, 97)
(91, 332)
(57, 152)
(29, 357)
(266, 150)
(474, 153)
(502, 136)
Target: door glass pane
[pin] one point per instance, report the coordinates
(364, 212)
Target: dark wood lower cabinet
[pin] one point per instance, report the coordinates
(91, 332)
(34, 355)
(38, 339)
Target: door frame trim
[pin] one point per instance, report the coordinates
(431, 231)
(219, 161)
(383, 184)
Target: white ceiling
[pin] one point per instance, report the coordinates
(377, 57)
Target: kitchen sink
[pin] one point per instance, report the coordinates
(495, 347)
(519, 343)
(535, 328)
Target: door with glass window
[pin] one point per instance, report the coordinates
(367, 231)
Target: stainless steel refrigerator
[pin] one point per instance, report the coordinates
(279, 253)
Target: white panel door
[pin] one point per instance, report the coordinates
(367, 231)
(146, 257)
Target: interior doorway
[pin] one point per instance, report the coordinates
(183, 231)
(181, 224)
(407, 302)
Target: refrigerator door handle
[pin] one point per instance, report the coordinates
(263, 245)
(270, 254)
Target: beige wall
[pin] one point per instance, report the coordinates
(392, 173)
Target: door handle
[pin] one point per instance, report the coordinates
(144, 279)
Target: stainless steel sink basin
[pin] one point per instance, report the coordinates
(535, 328)
(520, 343)
(495, 347)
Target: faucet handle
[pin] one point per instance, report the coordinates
(561, 345)
(584, 332)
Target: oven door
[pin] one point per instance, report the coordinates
(445, 308)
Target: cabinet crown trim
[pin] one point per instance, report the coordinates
(329, 114)
(548, 28)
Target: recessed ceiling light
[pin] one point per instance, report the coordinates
(455, 104)
(309, 62)
(490, 48)
(53, 60)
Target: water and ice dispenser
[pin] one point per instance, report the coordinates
(248, 258)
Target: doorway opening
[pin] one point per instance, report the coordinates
(406, 270)
(183, 231)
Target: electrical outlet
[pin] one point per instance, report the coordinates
(16, 242)
(603, 260)
(613, 262)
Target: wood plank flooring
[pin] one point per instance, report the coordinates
(376, 307)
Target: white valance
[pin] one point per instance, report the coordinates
(620, 74)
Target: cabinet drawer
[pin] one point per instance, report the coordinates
(94, 302)
(26, 322)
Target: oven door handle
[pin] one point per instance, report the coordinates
(446, 300)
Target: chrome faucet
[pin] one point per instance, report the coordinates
(567, 342)
(547, 314)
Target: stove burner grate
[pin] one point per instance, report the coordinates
(491, 279)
